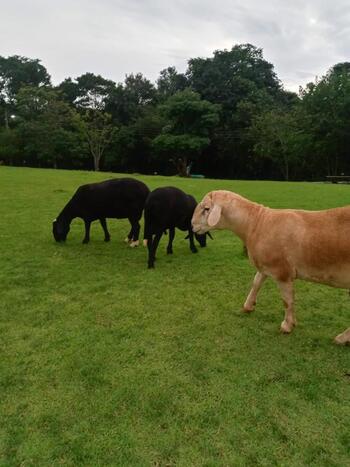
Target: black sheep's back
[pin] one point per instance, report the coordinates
(115, 198)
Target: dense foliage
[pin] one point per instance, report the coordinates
(227, 116)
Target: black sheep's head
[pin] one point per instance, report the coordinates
(201, 238)
(60, 230)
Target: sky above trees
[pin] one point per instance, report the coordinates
(118, 37)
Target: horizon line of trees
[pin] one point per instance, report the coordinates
(227, 116)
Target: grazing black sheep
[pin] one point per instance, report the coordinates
(118, 198)
(167, 208)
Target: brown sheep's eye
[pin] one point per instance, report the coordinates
(206, 209)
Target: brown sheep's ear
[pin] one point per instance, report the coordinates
(214, 215)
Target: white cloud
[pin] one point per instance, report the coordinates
(116, 37)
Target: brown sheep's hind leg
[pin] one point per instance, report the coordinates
(287, 293)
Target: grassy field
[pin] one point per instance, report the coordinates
(104, 362)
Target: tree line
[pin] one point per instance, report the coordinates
(227, 116)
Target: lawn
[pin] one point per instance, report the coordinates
(104, 362)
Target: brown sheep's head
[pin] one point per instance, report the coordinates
(207, 215)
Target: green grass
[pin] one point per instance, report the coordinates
(104, 362)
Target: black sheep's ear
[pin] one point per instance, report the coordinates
(187, 237)
(209, 235)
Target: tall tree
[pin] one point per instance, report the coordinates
(49, 128)
(232, 78)
(170, 82)
(99, 133)
(279, 136)
(133, 145)
(128, 101)
(327, 104)
(15, 72)
(231, 75)
(187, 132)
(88, 91)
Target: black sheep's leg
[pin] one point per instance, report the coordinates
(135, 231)
(129, 236)
(192, 245)
(105, 230)
(152, 248)
(150, 251)
(87, 231)
(146, 230)
(169, 249)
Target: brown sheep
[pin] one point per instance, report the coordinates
(284, 244)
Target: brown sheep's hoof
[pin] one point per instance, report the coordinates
(286, 328)
(343, 338)
(247, 310)
(339, 340)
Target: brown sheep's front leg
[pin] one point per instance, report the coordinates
(287, 293)
(250, 302)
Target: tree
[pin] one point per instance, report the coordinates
(170, 82)
(231, 75)
(88, 91)
(16, 72)
(9, 146)
(133, 150)
(280, 136)
(99, 133)
(130, 100)
(327, 104)
(187, 132)
(240, 80)
(139, 89)
(49, 128)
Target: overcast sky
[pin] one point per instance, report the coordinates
(302, 38)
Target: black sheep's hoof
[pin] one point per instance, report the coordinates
(194, 250)
(85, 242)
(150, 266)
(169, 251)
(107, 239)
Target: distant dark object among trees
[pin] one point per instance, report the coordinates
(227, 115)
(338, 178)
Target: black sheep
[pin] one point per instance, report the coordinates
(167, 208)
(118, 198)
